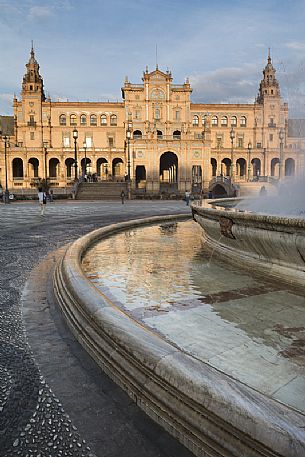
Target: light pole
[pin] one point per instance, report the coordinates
(75, 136)
(249, 159)
(45, 145)
(6, 192)
(128, 136)
(232, 136)
(281, 137)
(85, 148)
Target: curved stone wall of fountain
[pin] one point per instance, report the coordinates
(273, 245)
(209, 412)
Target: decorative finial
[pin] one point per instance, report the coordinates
(146, 68)
(126, 79)
(269, 56)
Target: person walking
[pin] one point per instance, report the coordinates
(187, 198)
(123, 197)
(42, 198)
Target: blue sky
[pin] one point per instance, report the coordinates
(86, 48)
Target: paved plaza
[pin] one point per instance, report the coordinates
(54, 401)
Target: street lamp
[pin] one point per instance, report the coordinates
(232, 136)
(249, 159)
(85, 148)
(128, 136)
(45, 145)
(6, 192)
(281, 137)
(75, 136)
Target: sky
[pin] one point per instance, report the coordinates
(86, 48)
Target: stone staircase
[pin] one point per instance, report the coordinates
(101, 190)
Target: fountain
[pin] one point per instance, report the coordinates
(211, 411)
(266, 233)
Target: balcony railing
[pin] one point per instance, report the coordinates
(32, 124)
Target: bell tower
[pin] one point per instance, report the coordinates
(32, 83)
(269, 87)
(29, 111)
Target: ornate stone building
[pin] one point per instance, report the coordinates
(173, 145)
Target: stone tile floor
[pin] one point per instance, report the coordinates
(34, 421)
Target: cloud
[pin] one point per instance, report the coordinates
(296, 45)
(226, 85)
(39, 12)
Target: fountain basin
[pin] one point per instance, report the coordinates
(208, 411)
(273, 245)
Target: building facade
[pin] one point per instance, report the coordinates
(155, 136)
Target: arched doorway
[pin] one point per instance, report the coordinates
(86, 166)
(53, 168)
(225, 167)
(196, 179)
(275, 167)
(33, 167)
(102, 168)
(214, 166)
(118, 169)
(241, 168)
(289, 167)
(140, 176)
(69, 163)
(168, 171)
(256, 168)
(219, 191)
(17, 168)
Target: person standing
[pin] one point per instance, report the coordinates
(187, 198)
(42, 198)
(123, 197)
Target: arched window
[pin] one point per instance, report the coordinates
(62, 119)
(103, 119)
(177, 135)
(157, 113)
(214, 120)
(159, 134)
(203, 119)
(224, 121)
(233, 121)
(113, 120)
(195, 121)
(93, 120)
(83, 119)
(73, 119)
(243, 121)
(137, 134)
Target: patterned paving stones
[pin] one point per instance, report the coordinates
(33, 420)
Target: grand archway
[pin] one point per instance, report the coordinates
(17, 168)
(33, 167)
(168, 171)
(289, 167)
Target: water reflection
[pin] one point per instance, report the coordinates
(252, 329)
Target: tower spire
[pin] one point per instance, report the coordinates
(269, 86)
(32, 81)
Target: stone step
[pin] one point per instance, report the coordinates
(101, 190)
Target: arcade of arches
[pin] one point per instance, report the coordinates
(155, 135)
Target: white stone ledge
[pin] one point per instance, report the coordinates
(209, 412)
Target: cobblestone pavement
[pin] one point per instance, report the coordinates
(33, 420)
